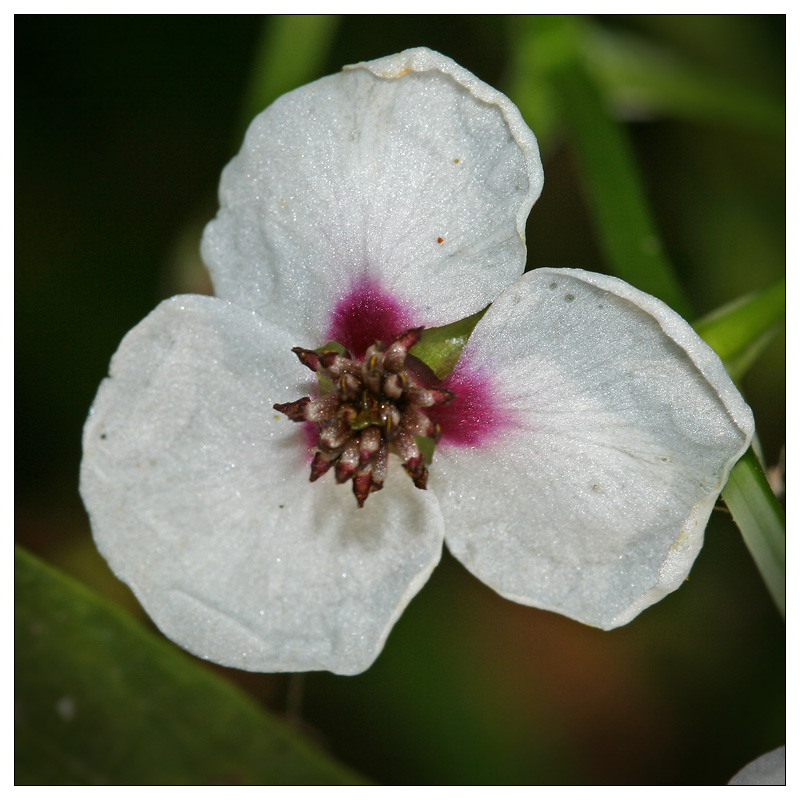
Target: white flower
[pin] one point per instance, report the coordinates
(766, 770)
(585, 432)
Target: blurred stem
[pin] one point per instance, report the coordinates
(292, 50)
(762, 522)
(549, 46)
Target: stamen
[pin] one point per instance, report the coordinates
(406, 445)
(395, 384)
(362, 486)
(296, 411)
(417, 423)
(373, 406)
(370, 443)
(396, 352)
(336, 365)
(416, 468)
(333, 436)
(379, 468)
(307, 357)
(322, 408)
(320, 465)
(348, 461)
(429, 397)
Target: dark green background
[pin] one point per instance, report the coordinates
(122, 127)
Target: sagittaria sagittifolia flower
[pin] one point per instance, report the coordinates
(582, 437)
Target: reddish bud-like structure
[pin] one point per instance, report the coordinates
(375, 405)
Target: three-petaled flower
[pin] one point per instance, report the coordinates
(583, 435)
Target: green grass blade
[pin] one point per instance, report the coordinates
(640, 77)
(528, 87)
(291, 52)
(739, 331)
(101, 700)
(626, 232)
(762, 522)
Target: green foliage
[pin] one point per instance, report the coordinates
(100, 700)
(761, 521)
(641, 78)
(291, 52)
(740, 331)
(550, 48)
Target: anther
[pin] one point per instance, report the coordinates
(320, 465)
(307, 357)
(395, 384)
(296, 410)
(346, 466)
(396, 352)
(370, 443)
(362, 486)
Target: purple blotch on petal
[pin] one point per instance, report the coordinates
(473, 417)
(365, 314)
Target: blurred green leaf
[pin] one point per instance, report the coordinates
(292, 51)
(762, 522)
(550, 46)
(739, 331)
(641, 77)
(527, 86)
(100, 700)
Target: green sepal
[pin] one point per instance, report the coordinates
(426, 447)
(440, 348)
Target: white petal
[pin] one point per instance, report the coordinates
(767, 770)
(200, 499)
(407, 172)
(615, 427)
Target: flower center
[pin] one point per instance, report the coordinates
(369, 408)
